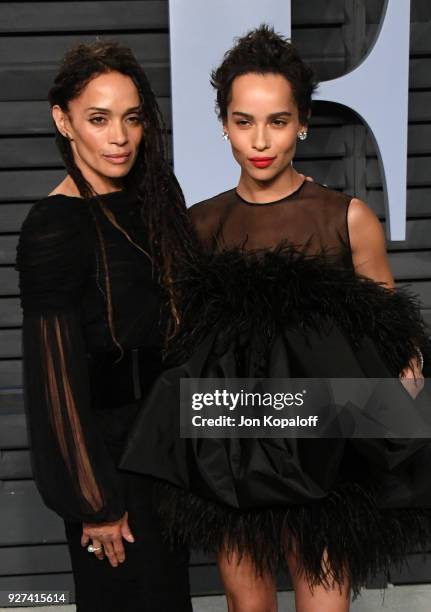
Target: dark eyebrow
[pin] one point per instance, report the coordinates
(271, 116)
(280, 114)
(106, 110)
(242, 114)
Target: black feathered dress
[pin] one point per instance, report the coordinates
(274, 294)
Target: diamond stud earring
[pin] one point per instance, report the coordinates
(225, 136)
(302, 135)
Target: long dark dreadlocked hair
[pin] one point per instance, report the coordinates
(159, 195)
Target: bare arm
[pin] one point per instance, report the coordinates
(368, 246)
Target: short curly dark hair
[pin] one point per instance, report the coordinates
(262, 51)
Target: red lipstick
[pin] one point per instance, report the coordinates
(261, 162)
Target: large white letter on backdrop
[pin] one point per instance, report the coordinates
(377, 90)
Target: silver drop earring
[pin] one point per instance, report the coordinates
(302, 135)
(225, 136)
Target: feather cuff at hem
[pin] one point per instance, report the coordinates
(357, 535)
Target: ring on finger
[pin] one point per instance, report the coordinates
(93, 549)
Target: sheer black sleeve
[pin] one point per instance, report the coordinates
(72, 468)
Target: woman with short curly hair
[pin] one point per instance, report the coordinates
(293, 282)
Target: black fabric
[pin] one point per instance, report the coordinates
(151, 579)
(71, 365)
(274, 294)
(79, 394)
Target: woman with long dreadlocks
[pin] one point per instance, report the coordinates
(92, 258)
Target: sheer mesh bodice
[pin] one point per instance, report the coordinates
(313, 218)
(74, 389)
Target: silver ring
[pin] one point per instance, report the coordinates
(91, 548)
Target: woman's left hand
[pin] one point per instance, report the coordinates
(108, 538)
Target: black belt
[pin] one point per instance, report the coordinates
(114, 383)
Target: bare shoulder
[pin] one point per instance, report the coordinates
(368, 243)
(66, 187)
(359, 210)
(363, 222)
(56, 191)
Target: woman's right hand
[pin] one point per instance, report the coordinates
(412, 378)
(108, 538)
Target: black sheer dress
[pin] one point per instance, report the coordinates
(274, 294)
(80, 388)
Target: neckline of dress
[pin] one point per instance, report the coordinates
(113, 197)
(287, 197)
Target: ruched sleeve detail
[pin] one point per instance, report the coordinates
(72, 468)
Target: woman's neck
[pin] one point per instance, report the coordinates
(267, 191)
